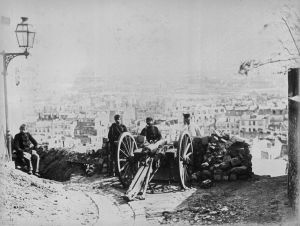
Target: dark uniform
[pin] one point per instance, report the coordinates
(22, 142)
(154, 137)
(115, 131)
(152, 133)
(113, 135)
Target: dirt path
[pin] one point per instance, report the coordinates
(108, 192)
(28, 200)
(112, 209)
(261, 200)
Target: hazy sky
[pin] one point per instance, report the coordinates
(137, 39)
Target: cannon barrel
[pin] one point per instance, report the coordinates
(155, 146)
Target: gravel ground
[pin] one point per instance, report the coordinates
(26, 199)
(260, 200)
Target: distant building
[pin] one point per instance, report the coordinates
(221, 124)
(252, 125)
(53, 133)
(233, 118)
(270, 147)
(277, 118)
(84, 129)
(52, 128)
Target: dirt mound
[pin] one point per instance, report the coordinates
(60, 164)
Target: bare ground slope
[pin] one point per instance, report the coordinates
(97, 201)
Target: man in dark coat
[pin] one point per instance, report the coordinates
(116, 129)
(22, 145)
(151, 132)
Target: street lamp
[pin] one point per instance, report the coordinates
(25, 37)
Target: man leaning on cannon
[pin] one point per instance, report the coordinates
(151, 132)
(25, 153)
(115, 130)
(153, 135)
(150, 162)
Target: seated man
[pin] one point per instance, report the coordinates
(22, 143)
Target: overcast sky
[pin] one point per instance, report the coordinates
(138, 39)
(135, 40)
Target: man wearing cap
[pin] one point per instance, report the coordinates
(114, 133)
(151, 132)
(22, 144)
(191, 128)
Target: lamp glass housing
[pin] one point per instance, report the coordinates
(25, 35)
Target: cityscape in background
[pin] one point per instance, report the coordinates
(252, 108)
(146, 62)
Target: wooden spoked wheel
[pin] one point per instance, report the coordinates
(185, 159)
(126, 165)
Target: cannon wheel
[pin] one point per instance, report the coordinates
(185, 159)
(126, 166)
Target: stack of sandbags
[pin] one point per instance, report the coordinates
(226, 158)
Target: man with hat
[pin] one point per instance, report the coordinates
(114, 133)
(22, 144)
(191, 128)
(151, 132)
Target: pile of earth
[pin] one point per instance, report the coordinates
(60, 164)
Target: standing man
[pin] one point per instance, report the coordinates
(114, 133)
(191, 128)
(151, 132)
(22, 144)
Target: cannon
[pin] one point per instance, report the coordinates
(138, 162)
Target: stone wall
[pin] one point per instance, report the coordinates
(294, 138)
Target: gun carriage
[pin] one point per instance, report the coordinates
(138, 162)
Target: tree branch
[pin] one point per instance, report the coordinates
(274, 61)
(291, 34)
(246, 66)
(285, 48)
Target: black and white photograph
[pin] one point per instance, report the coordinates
(161, 112)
